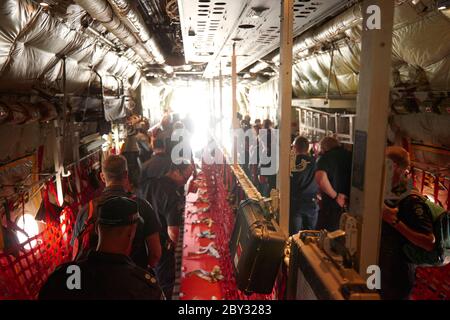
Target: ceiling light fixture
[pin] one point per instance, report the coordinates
(443, 4)
(168, 69)
(247, 26)
(258, 12)
(420, 7)
(44, 5)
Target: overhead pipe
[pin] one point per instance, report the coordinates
(327, 33)
(103, 12)
(136, 23)
(98, 35)
(153, 9)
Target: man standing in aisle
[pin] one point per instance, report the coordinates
(107, 273)
(146, 249)
(159, 163)
(168, 201)
(407, 224)
(304, 209)
(333, 175)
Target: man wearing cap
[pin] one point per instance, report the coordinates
(146, 250)
(107, 273)
(165, 196)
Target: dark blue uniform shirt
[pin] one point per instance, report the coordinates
(103, 276)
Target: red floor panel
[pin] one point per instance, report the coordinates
(193, 287)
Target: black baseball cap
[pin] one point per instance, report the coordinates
(119, 211)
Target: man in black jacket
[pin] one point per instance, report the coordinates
(146, 250)
(333, 175)
(166, 197)
(158, 164)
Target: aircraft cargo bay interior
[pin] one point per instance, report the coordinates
(251, 150)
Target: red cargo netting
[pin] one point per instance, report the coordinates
(22, 276)
(25, 267)
(432, 284)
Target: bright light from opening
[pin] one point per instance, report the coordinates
(31, 227)
(168, 69)
(191, 99)
(62, 219)
(107, 142)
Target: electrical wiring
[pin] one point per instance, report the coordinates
(172, 10)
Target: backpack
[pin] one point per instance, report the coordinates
(87, 238)
(441, 230)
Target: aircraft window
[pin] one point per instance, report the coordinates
(28, 224)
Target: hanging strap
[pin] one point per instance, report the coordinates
(423, 181)
(436, 189)
(78, 245)
(49, 209)
(413, 177)
(90, 210)
(92, 207)
(2, 242)
(448, 196)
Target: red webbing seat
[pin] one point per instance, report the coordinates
(432, 283)
(22, 276)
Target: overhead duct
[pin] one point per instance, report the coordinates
(328, 32)
(102, 11)
(327, 58)
(35, 42)
(136, 23)
(315, 37)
